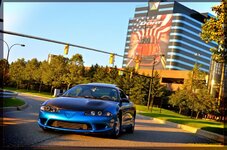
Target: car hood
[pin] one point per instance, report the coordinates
(80, 104)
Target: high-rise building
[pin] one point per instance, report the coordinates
(167, 35)
(166, 38)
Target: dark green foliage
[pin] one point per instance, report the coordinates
(17, 71)
(65, 73)
(4, 72)
(194, 94)
(32, 71)
(74, 71)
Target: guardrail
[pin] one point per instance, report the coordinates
(8, 94)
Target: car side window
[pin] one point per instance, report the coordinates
(73, 92)
(122, 94)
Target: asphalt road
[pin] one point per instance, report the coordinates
(21, 130)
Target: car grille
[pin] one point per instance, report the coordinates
(69, 125)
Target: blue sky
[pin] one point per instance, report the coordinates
(96, 25)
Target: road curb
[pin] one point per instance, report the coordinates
(7, 109)
(34, 95)
(197, 131)
(23, 106)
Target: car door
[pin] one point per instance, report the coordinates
(127, 109)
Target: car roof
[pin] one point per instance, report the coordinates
(103, 84)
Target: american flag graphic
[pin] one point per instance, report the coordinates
(149, 31)
(152, 27)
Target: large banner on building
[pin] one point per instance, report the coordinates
(149, 39)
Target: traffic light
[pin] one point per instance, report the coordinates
(120, 73)
(137, 66)
(137, 62)
(111, 60)
(66, 50)
(131, 75)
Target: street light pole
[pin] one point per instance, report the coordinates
(7, 58)
(9, 48)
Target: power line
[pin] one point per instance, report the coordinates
(60, 42)
(63, 43)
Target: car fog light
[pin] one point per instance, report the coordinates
(108, 114)
(93, 113)
(99, 113)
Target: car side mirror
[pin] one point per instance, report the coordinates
(126, 100)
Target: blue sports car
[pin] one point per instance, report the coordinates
(89, 108)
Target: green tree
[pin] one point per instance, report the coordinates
(194, 94)
(156, 89)
(74, 71)
(100, 74)
(77, 59)
(179, 99)
(204, 102)
(53, 72)
(17, 71)
(195, 82)
(32, 66)
(57, 70)
(112, 75)
(90, 72)
(139, 90)
(125, 82)
(45, 74)
(214, 29)
(4, 72)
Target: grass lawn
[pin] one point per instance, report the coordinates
(209, 125)
(44, 94)
(12, 102)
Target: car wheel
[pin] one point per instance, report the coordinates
(132, 127)
(117, 129)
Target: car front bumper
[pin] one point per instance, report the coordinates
(75, 122)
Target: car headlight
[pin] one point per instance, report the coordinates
(97, 113)
(49, 108)
(108, 114)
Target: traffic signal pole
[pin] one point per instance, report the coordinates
(62, 43)
(54, 41)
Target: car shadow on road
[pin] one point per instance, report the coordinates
(150, 131)
(164, 137)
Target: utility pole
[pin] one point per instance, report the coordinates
(151, 88)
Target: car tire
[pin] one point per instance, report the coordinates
(116, 129)
(132, 127)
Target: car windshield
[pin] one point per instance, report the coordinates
(94, 92)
